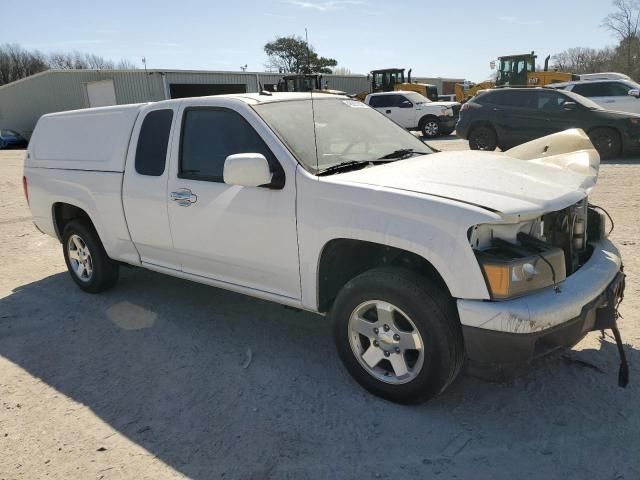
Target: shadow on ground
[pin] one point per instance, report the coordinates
(166, 363)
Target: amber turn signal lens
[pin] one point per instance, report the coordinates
(498, 279)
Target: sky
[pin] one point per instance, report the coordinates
(436, 38)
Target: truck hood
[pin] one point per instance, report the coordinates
(547, 174)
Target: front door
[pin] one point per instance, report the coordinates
(242, 236)
(398, 108)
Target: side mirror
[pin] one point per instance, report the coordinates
(635, 92)
(570, 105)
(406, 104)
(247, 170)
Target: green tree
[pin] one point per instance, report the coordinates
(293, 55)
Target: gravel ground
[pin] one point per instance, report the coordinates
(163, 378)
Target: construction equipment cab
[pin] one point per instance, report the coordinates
(305, 83)
(390, 79)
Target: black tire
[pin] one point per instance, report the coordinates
(430, 127)
(432, 311)
(104, 271)
(483, 138)
(607, 142)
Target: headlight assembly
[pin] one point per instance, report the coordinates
(513, 270)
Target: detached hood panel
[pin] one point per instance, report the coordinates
(547, 174)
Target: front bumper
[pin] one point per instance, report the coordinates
(518, 331)
(447, 122)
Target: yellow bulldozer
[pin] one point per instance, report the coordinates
(515, 71)
(392, 79)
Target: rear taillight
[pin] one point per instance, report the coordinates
(25, 187)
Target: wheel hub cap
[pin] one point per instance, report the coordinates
(386, 342)
(80, 258)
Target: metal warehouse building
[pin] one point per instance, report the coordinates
(24, 101)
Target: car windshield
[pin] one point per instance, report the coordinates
(8, 133)
(415, 97)
(346, 131)
(582, 100)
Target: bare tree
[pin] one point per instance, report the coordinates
(125, 64)
(624, 24)
(342, 71)
(583, 60)
(17, 63)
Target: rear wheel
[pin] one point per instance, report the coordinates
(398, 334)
(89, 265)
(606, 141)
(483, 138)
(430, 127)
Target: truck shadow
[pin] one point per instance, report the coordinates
(212, 383)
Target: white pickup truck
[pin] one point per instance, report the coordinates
(413, 111)
(421, 260)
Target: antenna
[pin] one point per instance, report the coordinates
(313, 111)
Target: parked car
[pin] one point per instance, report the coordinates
(416, 112)
(421, 260)
(619, 95)
(507, 117)
(11, 139)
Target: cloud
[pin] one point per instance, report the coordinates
(275, 15)
(325, 6)
(67, 43)
(164, 44)
(518, 21)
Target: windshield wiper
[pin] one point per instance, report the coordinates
(351, 164)
(403, 152)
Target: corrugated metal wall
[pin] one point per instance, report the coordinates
(24, 101)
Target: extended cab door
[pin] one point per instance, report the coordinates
(240, 236)
(144, 189)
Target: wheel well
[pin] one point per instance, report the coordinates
(63, 213)
(605, 128)
(343, 259)
(425, 118)
(482, 123)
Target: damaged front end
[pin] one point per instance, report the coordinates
(552, 277)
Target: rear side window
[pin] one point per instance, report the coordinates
(508, 98)
(601, 89)
(153, 141)
(383, 101)
(209, 136)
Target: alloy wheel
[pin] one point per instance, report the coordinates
(386, 342)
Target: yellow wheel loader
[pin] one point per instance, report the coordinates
(515, 71)
(392, 79)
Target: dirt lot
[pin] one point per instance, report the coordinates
(149, 381)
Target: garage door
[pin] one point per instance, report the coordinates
(183, 90)
(101, 94)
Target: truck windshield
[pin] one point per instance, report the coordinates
(346, 131)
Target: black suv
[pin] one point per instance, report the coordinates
(506, 117)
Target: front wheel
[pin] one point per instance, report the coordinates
(88, 263)
(483, 138)
(606, 141)
(398, 335)
(430, 127)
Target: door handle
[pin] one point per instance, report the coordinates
(609, 101)
(387, 111)
(183, 197)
